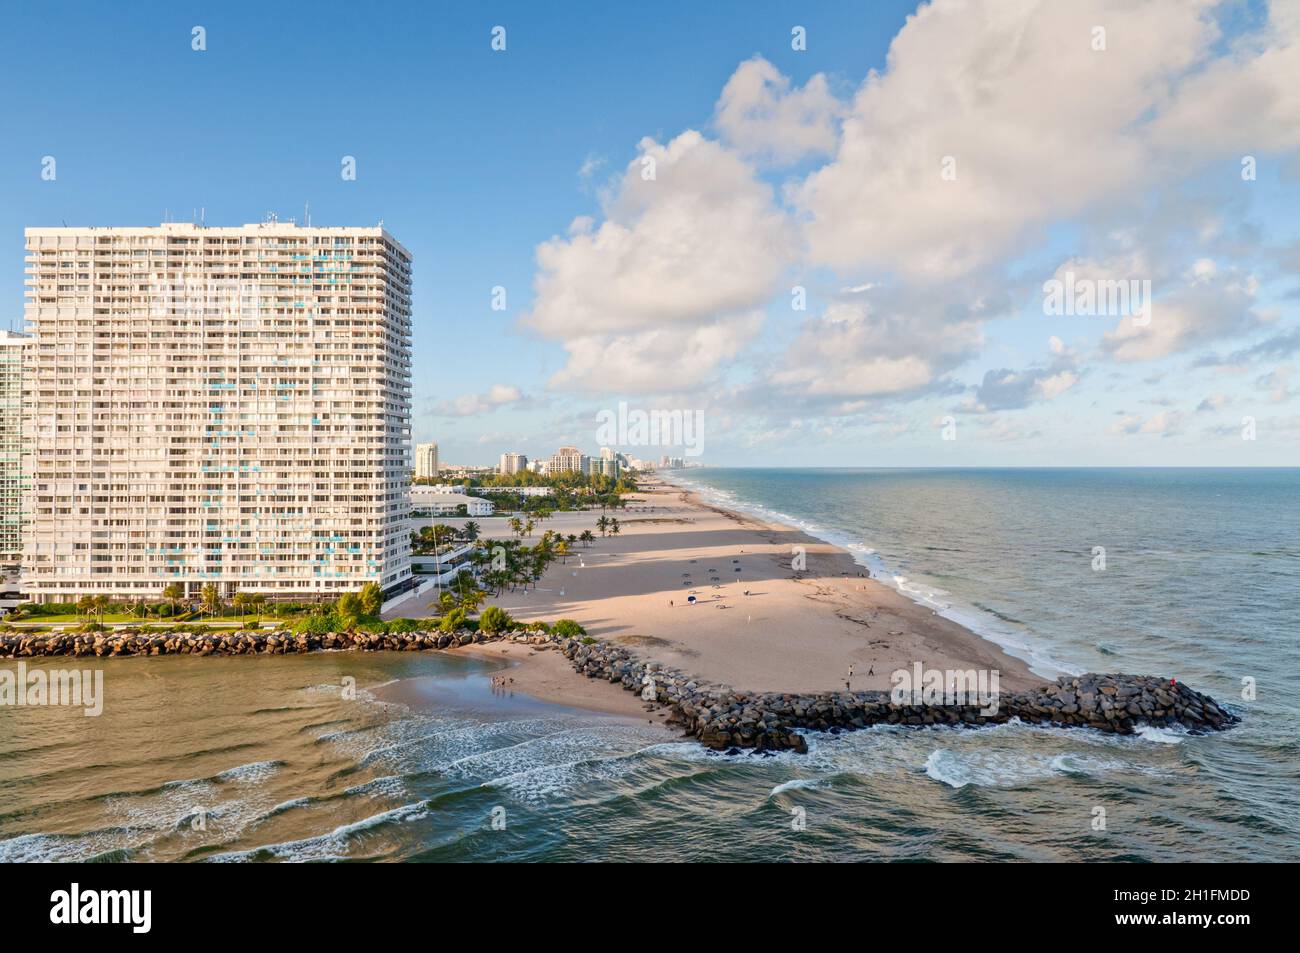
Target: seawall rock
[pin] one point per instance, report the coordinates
(718, 716)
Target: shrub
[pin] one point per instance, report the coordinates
(494, 620)
(453, 620)
(568, 629)
(322, 624)
(588, 640)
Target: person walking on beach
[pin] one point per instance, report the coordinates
(848, 682)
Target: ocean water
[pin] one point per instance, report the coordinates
(252, 760)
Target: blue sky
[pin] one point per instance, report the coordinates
(1122, 162)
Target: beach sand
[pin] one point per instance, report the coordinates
(794, 631)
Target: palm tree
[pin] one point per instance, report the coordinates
(86, 606)
(173, 593)
(587, 537)
(613, 526)
(210, 599)
(528, 526)
(471, 531)
(517, 526)
(240, 601)
(258, 600)
(602, 524)
(562, 550)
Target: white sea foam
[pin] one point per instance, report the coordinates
(1164, 736)
(795, 784)
(254, 773)
(331, 846)
(992, 768)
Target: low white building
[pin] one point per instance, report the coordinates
(426, 502)
(515, 490)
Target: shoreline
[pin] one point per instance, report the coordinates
(763, 625)
(811, 637)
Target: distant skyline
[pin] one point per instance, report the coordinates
(912, 178)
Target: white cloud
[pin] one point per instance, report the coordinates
(469, 405)
(1040, 125)
(673, 273)
(1210, 306)
(1167, 423)
(702, 238)
(761, 114)
(1055, 385)
(655, 361)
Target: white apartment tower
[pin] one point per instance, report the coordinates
(13, 352)
(426, 461)
(511, 463)
(217, 405)
(567, 460)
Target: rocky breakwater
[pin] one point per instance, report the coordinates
(717, 715)
(722, 718)
(125, 642)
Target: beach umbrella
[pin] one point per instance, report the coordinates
(691, 600)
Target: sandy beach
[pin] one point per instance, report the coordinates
(756, 623)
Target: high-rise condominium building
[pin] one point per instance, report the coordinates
(217, 405)
(13, 350)
(512, 463)
(567, 460)
(426, 461)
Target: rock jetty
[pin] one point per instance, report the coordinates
(719, 716)
(722, 718)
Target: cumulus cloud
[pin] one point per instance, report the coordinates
(470, 405)
(655, 361)
(1038, 124)
(676, 262)
(702, 238)
(1006, 389)
(667, 285)
(883, 341)
(761, 114)
(1209, 306)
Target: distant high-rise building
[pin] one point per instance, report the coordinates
(217, 405)
(512, 463)
(567, 460)
(14, 350)
(426, 461)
